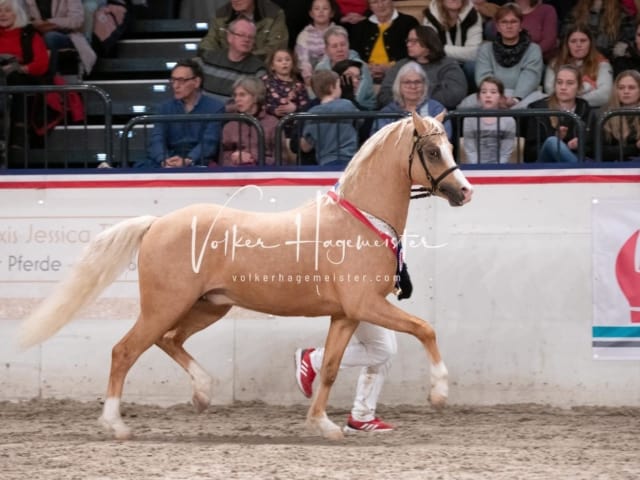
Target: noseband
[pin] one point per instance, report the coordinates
(421, 192)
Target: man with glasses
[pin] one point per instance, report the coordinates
(182, 143)
(223, 67)
(270, 27)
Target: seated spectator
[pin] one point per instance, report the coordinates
(336, 41)
(446, 80)
(609, 24)
(489, 139)
(61, 22)
(285, 90)
(271, 29)
(380, 38)
(240, 139)
(459, 27)
(335, 142)
(628, 58)
(513, 58)
(579, 50)
(541, 23)
(185, 144)
(24, 62)
(554, 139)
(411, 94)
(621, 133)
(223, 67)
(310, 42)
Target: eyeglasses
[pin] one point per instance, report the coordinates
(180, 80)
(412, 40)
(412, 83)
(245, 36)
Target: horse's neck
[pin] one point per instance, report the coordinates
(382, 189)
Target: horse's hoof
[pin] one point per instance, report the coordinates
(437, 401)
(119, 430)
(123, 434)
(200, 401)
(334, 435)
(324, 427)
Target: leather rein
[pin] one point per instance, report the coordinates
(421, 192)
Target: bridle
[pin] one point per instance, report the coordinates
(421, 192)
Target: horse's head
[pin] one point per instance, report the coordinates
(435, 168)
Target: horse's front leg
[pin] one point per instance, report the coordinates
(380, 312)
(338, 337)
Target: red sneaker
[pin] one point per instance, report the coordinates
(375, 425)
(305, 374)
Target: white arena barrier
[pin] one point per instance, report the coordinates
(520, 286)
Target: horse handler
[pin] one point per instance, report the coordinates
(372, 348)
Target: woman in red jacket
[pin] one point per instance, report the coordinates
(24, 61)
(23, 50)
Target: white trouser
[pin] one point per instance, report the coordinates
(372, 348)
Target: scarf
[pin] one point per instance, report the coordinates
(509, 55)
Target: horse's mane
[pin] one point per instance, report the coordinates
(390, 136)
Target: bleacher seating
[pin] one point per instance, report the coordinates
(136, 79)
(135, 82)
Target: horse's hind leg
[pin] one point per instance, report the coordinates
(340, 332)
(144, 333)
(198, 318)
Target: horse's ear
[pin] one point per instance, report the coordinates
(440, 117)
(418, 123)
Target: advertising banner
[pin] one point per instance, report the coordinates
(616, 287)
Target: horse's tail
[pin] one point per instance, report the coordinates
(104, 258)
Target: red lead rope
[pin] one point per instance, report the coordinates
(353, 210)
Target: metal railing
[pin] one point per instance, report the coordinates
(32, 97)
(292, 123)
(298, 119)
(127, 132)
(457, 117)
(603, 118)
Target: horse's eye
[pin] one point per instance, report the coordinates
(434, 152)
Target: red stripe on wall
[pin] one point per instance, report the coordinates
(300, 181)
(157, 183)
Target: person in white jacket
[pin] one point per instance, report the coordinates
(459, 26)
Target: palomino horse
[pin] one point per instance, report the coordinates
(345, 243)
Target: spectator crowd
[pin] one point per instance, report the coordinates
(270, 58)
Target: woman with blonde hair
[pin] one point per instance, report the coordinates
(551, 139)
(621, 133)
(578, 49)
